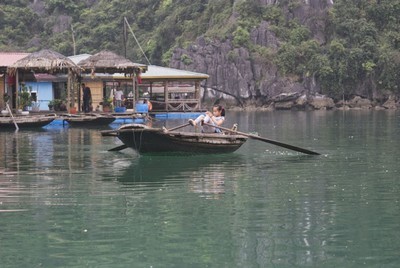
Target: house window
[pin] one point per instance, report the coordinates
(60, 91)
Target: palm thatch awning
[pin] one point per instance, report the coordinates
(47, 61)
(44, 61)
(108, 62)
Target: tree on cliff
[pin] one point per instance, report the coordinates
(348, 47)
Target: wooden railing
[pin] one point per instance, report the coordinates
(185, 105)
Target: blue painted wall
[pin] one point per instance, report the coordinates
(44, 91)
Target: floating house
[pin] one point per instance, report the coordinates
(98, 71)
(168, 89)
(7, 82)
(172, 90)
(43, 87)
(46, 64)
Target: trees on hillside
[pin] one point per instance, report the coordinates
(362, 37)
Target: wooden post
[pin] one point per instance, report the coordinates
(16, 89)
(73, 86)
(69, 90)
(151, 90)
(79, 96)
(135, 92)
(197, 94)
(166, 95)
(2, 89)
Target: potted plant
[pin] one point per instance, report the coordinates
(25, 99)
(107, 105)
(72, 109)
(58, 105)
(51, 105)
(63, 106)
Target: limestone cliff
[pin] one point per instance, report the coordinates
(247, 74)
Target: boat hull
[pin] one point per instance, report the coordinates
(96, 121)
(7, 123)
(155, 141)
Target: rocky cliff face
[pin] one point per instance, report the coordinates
(253, 77)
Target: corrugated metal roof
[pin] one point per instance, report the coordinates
(78, 58)
(157, 72)
(9, 58)
(43, 77)
(153, 71)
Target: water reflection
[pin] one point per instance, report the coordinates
(204, 175)
(66, 201)
(49, 149)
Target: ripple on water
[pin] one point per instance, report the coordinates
(66, 201)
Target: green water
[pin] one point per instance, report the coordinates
(67, 202)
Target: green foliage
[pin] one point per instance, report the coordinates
(249, 9)
(299, 34)
(362, 42)
(25, 98)
(264, 55)
(273, 14)
(17, 23)
(166, 57)
(64, 6)
(241, 37)
(186, 59)
(388, 66)
(361, 38)
(232, 55)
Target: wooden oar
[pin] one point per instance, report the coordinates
(15, 123)
(177, 127)
(111, 133)
(255, 137)
(118, 148)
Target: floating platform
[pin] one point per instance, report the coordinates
(175, 115)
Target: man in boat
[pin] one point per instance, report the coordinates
(215, 118)
(87, 98)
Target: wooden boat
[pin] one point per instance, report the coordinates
(146, 140)
(89, 119)
(26, 121)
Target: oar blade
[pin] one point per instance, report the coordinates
(277, 143)
(284, 145)
(118, 148)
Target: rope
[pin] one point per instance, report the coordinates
(137, 148)
(137, 42)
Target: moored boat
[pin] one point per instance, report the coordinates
(146, 140)
(26, 121)
(89, 119)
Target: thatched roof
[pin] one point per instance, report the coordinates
(108, 62)
(44, 60)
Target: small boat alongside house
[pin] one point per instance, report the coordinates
(147, 140)
(26, 121)
(88, 119)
